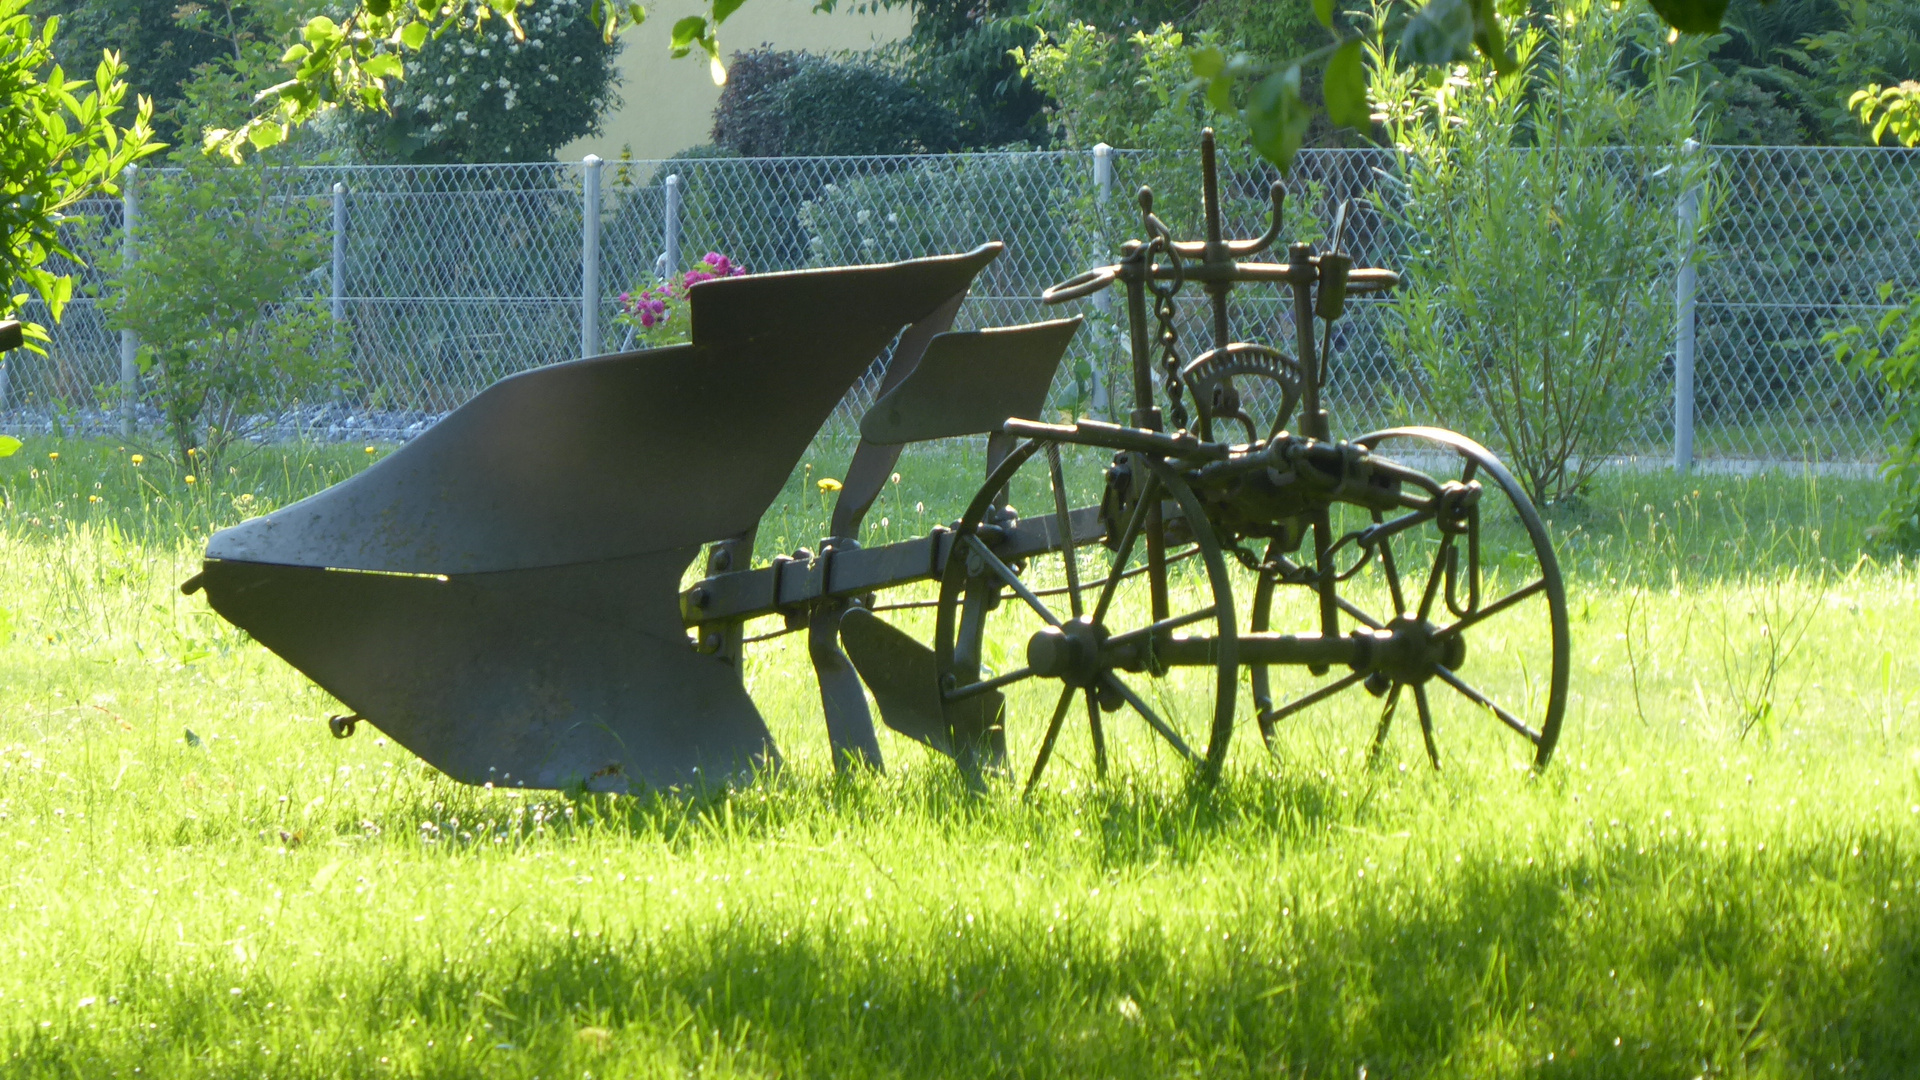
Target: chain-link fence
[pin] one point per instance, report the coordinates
(447, 278)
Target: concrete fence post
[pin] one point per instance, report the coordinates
(129, 344)
(339, 290)
(590, 258)
(1684, 286)
(670, 257)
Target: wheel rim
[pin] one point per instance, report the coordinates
(1500, 626)
(1188, 711)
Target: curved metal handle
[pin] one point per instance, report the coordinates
(1079, 285)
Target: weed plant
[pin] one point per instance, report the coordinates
(1718, 876)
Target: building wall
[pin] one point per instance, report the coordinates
(669, 103)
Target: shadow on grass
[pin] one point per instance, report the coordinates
(1662, 963)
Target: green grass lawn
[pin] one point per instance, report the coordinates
(1719, 875)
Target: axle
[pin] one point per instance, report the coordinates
(1407, 650)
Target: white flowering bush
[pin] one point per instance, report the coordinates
(476, 94)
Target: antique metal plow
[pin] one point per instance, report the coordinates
(507, 597)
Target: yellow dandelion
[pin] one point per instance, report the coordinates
(191, 451)
(55, 456)
(139, 459)
(93, 498)
(369, 449)
(827, 483)
(191, 479)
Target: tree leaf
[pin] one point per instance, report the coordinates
(1323, 10)
(8, 446)
(383, 66)
(1490, 37)
(379, 8)
(264, 136)
(414, 35)
(1691, 16)
(1208, 62)
(1440, 33)
(1277, 117)
(1346, 88)
(724, 8)
(686, 33)
(637, 13)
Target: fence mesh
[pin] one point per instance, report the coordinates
(449, 277)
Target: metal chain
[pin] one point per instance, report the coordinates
(1163, 313)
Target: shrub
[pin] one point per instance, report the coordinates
(475, 94)
(1888, 352)
(1538, 212)
(213, 292)
(794, 105)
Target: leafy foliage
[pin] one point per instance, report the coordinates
(212, 292)
(60, 145)
(1892, 110)
(1888, 352)
(481, 93)
(749, 119)
(164, 43)
(1539, 272)
(795, 105)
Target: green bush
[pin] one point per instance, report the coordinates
(1539, 227)
(1888, 351)
(213, 293)
(794, 105)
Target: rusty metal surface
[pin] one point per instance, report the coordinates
(970, 383)
(561, 508)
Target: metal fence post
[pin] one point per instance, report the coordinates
(1684, 286)
(1102, 300)
(129, 345)
(670, 258)
(590, 259)
(339, 254)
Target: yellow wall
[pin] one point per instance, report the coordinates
(669, 103)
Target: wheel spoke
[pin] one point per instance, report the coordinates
(1012, 579)
(1467, 691)
(1386, 723)
(1163, 626)
(1490, 610)
(1064, 523)
(1314, 698)
(1149, 492)
(1053, 732)
(1426, 723)
(1097, 732)
(1152, 718)
(1436, 574)
(962, 693)
(1391, 570)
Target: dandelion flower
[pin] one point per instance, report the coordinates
(55, 456)
(827, 483)
(369, 449)
(191, 479)
(93, 498)
(139, 459)
(895, 478)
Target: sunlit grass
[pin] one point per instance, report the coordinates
(1718, 876)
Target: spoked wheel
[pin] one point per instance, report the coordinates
(1071, 629)
(1473, 581)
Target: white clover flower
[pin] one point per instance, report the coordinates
(893, 219)
(862, 216)
(460, 117)
(466, 50)
(484, 53)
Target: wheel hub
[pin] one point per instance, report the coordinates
(1069, 652)
(1410, 650)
